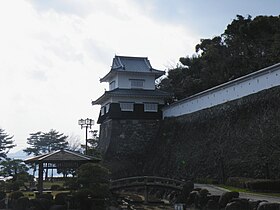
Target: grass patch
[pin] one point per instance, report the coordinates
(242, 190)
(48, 184)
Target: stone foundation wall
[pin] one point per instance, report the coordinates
(124, 145)
(238, 138)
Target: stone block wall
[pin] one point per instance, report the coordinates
(124, 144)
(238, 138)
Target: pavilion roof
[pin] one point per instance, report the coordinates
(61, 156)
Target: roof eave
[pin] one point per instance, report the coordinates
(107, 76)
(41, 158)
(99, 100)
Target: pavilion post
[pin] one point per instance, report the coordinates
(40, 178)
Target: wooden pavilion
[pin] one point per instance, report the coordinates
(60, 159)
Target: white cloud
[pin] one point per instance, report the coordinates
(53, 54)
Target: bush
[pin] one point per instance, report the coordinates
(82, 199)
(56, 187)
(13, 186)
(82, 194)
(60, 199)
(264, 185)
(16, 195)
(47, 196)
(91, 173)
(100, 191)
(2, 185)
(240, 182)
(72, 184)
(2, 195)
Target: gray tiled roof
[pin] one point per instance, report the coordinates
(132, 93)
(132, 64)
(138, 64)
(60, 155)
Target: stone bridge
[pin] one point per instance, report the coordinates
(146, 182)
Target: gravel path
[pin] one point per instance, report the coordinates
(214, 190)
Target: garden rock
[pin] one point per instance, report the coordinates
(268, 206)
(254, 204)
(212, 204)
(238, 204)
(226, 198)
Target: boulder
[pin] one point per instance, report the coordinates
(254, 204)
(212, 204)
(187, 188)
(238, 204)
(226, 198)
(191, 198)
(268, 206)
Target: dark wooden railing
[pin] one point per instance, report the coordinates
(146, 182)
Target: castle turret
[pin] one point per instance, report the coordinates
(130, 114)
(132, 93)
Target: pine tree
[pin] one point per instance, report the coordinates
(6, 143)
(35, 143)
(53, 140)
(41, 143)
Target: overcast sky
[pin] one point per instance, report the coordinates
(52, 53)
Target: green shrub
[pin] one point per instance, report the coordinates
(71, 184)
(91, 173)
(47, 196)
(2, 195)
(2, 185)
(56, 187)
(239, 182)
(264, 185)
(100, 190)
(82, 194)
(16, 195)
(13, 185)
(60, 198)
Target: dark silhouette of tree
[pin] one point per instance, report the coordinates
(246, 45)
(35, 143)
(6, 143)
(53, 140)
(94, 177)
(93, 141)
(41, 143)
(11, 167)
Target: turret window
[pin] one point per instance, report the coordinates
(102, 110)
(127, 106)
(150, 107)
(107, 107)
(137, 83)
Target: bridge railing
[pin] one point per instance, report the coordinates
(146, 181)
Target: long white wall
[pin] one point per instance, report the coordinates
(238, 88)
